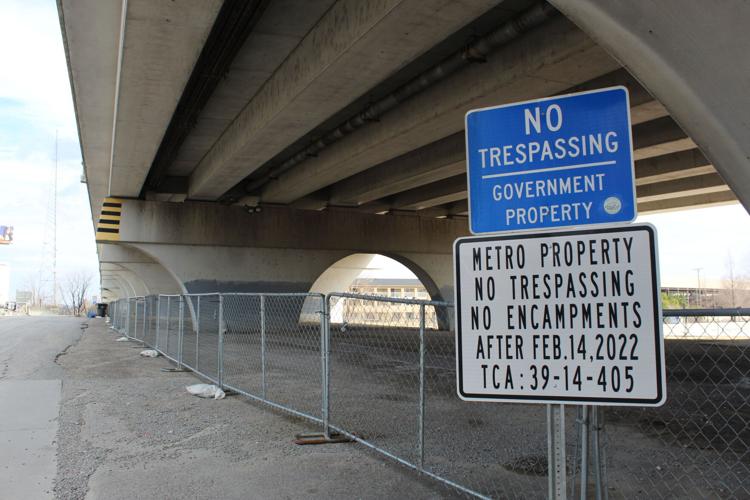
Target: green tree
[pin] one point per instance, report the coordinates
(672, 301)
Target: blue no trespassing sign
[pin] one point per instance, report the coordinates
(558, 162)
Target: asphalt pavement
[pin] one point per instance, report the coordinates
(30, 391)
(84, 416)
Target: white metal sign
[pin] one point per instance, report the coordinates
(560, 317)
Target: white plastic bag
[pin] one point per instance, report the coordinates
(149, 353)
(206, 391)
(122, 339)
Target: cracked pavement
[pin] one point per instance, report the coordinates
(30, 392)
(107, 423)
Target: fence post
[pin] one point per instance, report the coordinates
(556, 464)
(220, 361)
(135, 319)
(169, 314)
(263, 345)
(197, 332)
(420, 441)
(145, 318)
(180, 331)
(158, 321)
(325, 349)
(153, 318)
(151, 327)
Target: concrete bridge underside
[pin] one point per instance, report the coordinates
(333, 116)
(275, 250)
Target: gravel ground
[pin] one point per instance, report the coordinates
(129, 430)
(693, 447)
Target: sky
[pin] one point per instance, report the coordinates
(35, 104)
(701, 238)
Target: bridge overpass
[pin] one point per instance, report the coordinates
(251, 145)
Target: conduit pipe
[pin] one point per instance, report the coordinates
(475, 52)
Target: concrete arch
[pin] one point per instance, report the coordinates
(691, 56)
(129, 281)
(138, 272)
(114, 286)
(120, 287)
(208, 269)
(422, 274)
(339, 276)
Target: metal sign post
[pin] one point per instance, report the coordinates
(559, 317)
(556, 459)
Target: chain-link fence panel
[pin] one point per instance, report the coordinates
(496, 449)
(113, 312)
(132, 317)
(374, 372)
(243, 366)
(292, 352)
(378, 348)
(149, 336)
(140, 316)
(125, 316)
(120, 315)
(190, 311)
(208, 339)
(172, 327)
(121, 312)
(698, 444)
(154, 318)
(160, 323)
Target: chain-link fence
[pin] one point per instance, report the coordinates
(698, 444)
(382, 372)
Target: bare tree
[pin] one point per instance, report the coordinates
(732, 280)
(736, 286)
(74, 290)
(33, 284)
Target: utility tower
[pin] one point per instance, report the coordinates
(48, 267)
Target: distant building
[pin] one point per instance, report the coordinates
(693, 297)
(369, 312)
(390, 287)
(24, 296)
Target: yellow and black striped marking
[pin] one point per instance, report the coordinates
(108, 226)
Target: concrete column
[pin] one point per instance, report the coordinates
(693, 57)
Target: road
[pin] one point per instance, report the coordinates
(30, 392)
(85, 417)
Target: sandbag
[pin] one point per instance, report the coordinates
(206, 391)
